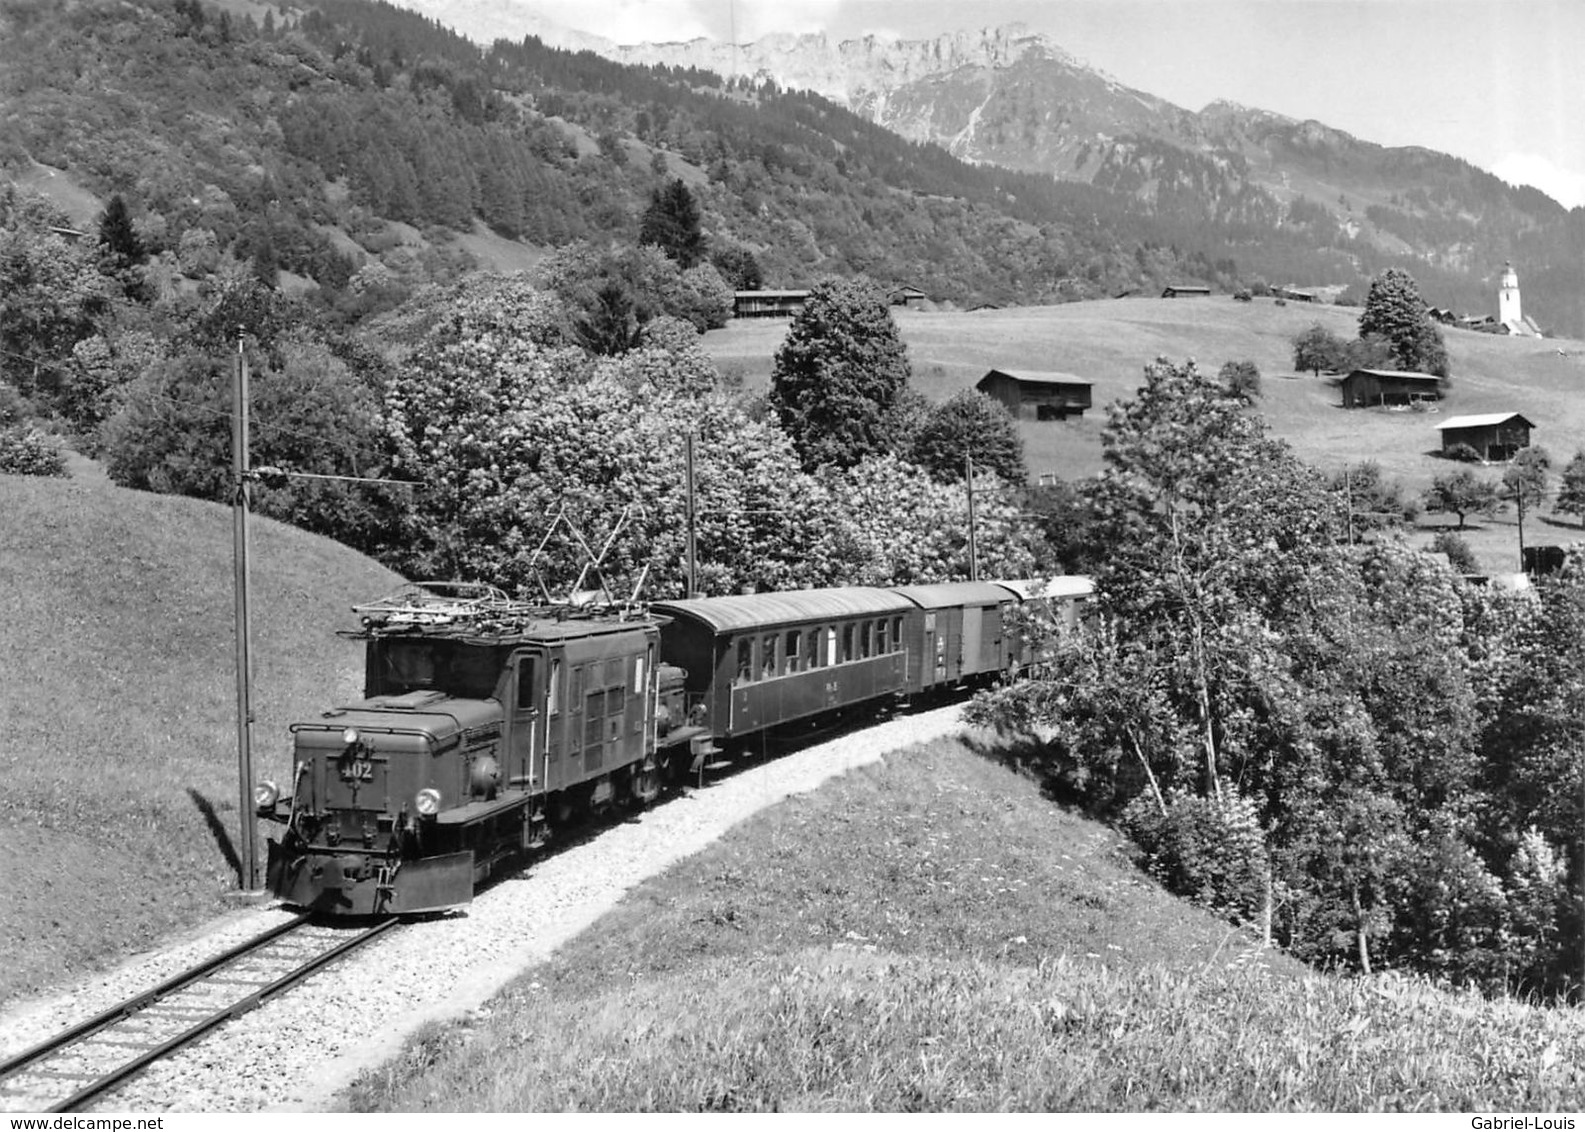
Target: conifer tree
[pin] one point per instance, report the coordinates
(1395, 310)
(671, 222)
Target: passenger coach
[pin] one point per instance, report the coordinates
(757, 660)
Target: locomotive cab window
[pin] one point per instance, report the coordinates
(453, 667)
(553, 692)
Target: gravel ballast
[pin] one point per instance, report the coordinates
(297, 1052)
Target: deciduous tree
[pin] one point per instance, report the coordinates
(970, 424)
(1463, 493)
(1571, 488)
(1318, 349)
(838, 374)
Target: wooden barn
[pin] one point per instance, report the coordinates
(1495, 436)
(910, 298)
(768, 304)
(1365, 387)
(1185, 291)
(1037, 396)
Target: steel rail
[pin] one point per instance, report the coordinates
(242, 1005)
(138, 1002)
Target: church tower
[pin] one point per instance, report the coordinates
(1508, 299)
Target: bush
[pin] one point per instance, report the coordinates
(1457, 551)
(1464, 453)
(1243, 295)
(1210, 850)
(1240, 380)
(28, 452)
(14, 408)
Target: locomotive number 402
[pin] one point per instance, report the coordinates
(357, 770)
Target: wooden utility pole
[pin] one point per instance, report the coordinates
(974, 547)
(241, 504)
(692, 511)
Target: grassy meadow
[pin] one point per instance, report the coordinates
(118, 744)
(933, 933)
(1110, 341)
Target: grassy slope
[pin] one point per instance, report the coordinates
(1109, 342)
(118, 717)
(935, 934)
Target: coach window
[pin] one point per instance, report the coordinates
(880, 637)
(867, 638)
(768, 656)
(897, 633)
(745, 660)
(791, 651)
(847, 643)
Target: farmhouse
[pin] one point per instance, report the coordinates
(1495, 436)
(1037, 396)
(910, 298)
(1184, 291)
(768, 304)
(1364, 387)
(1293, 294)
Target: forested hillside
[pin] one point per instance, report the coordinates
(350, 143)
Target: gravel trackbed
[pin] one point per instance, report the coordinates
(297, 1052)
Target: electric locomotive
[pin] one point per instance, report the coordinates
(484, 722)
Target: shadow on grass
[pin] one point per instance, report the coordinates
(218, 830)
(1061, 781)
(1565, 524)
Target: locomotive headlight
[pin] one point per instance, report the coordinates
(266, 794)
(427, 802)
(349, 736)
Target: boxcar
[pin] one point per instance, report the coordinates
(758, 660)
(958, 633)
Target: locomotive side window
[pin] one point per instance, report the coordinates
(553, 693)
(768, 656)
(745, 661)
(792, 650)
(638, 676)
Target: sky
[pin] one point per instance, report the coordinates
(1500, 83)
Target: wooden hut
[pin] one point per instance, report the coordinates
(768, 304)
(1364, 387)
(1037, 396)
(1495, 436)
(1185, 291)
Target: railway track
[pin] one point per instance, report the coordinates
(77, 1065)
